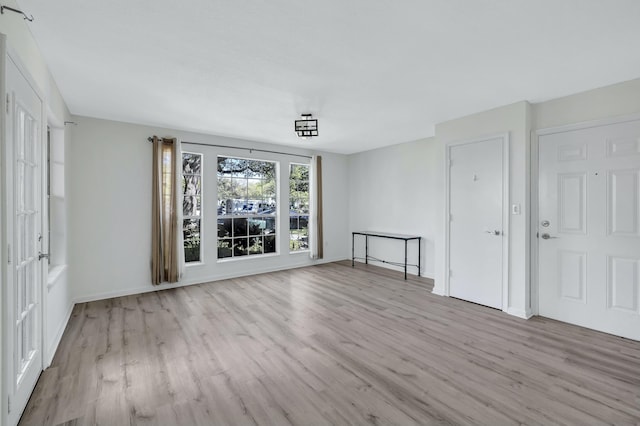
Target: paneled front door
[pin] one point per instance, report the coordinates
(589, 227)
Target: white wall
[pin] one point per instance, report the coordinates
(110, 209)
(515, 120)
(57, 294)
(401, 189)
(610, 101)
(392, 190)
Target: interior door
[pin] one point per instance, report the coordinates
(476, 222)
(589, 227)
(23, 354)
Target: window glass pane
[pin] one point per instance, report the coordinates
(270, 244)
(240, 246)
(225, 248)
(238, 191)
(298, 207)
(240, 227)
(254, 188)
(247, 208)
(191, 163)
(191, 185)
(191, 233)
(225, 189)
(224, 228)
(256, 225)
(256, 245)
(303, 239)
(267, 207)
(269, 171)
(221, 167)
(270, 225)
(191, 205)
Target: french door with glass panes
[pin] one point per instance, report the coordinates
(22, 305)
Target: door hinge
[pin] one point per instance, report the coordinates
(450, 273)
(8, 404)
(9, 254)
(8, 103)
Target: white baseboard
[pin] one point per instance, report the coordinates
(51, 350)
(411, 270)
(438, 290)
(520, 313)
(203, 280)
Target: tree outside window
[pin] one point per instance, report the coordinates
(247, 209)
(298, 207)
(192, 205)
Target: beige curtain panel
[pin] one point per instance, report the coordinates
(316, 208)
(165, 226)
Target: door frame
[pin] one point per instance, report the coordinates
(535, 180)
(506, 218)
(6, 201)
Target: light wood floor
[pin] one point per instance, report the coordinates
(329, 345)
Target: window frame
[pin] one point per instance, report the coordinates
(191, 217)
(276, 214)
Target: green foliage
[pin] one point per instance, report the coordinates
(299, 188)
(243, 180)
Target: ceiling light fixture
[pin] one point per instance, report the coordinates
(307, 127)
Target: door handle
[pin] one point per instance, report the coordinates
(43, 255)
(496, 232)
(546, 236)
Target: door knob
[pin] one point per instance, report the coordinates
(43, 256)
(546, 236)
(496, 232)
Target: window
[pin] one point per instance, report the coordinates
(192, 205)
(247, 210)
(299, 207)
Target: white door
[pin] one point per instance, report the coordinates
(23, 353)
(476, 221)
(589, 227)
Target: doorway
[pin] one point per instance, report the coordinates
(477, 240)
(588, 223)
(22, 294)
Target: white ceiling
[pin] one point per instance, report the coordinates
(374, 73)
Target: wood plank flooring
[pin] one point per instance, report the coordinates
(329, 345)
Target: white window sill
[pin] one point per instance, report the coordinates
(240, 258)
(300, 252)
(193, 264)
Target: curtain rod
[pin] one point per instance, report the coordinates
(150, 139)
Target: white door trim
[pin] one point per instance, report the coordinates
(3, 228)
(535, 177)
(506, 222)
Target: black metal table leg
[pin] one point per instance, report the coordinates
(353, 250)
(366, 249)
(405, 259)
(419, 256)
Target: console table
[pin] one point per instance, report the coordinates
(402, 237)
